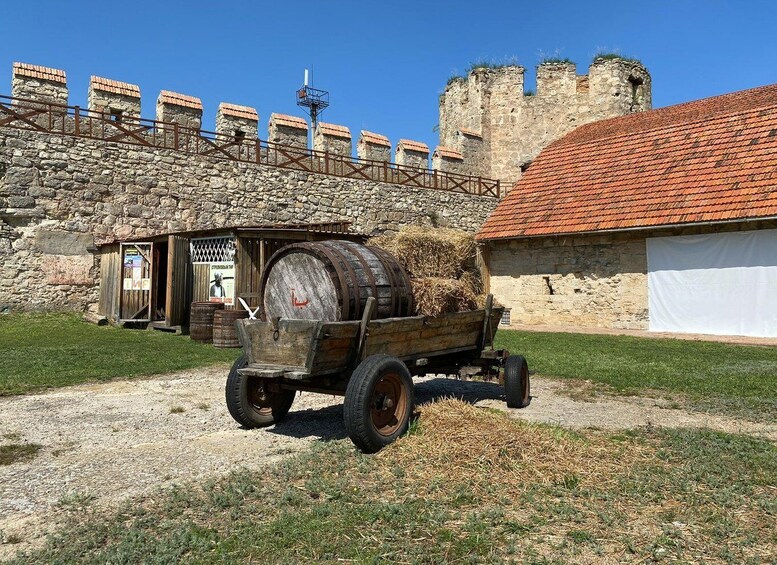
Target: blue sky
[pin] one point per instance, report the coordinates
(383, 62)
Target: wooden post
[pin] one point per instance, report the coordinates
(262, 258)
(487, 322)
(369, 311)
(169, 308)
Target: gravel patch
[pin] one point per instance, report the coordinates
(110, 441)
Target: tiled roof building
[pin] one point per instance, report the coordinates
(606, 215)
(704, 161)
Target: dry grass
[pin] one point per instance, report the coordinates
(470, 443)
(434, 296)
(430, 252)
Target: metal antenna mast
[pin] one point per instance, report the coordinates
(313, 99)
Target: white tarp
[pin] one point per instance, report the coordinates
(724, 284)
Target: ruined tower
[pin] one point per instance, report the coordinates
(499, 128)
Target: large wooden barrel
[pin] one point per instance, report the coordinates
(201, 320)
(224, 331)
(331, 281)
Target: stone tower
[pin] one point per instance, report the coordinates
(500, 129)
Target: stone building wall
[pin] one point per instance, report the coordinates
(585, 281)
(596, 281)
(60, 196)
(515, 126)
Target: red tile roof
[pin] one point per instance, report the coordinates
(410, 145)
(448, 152)
(35, 71)
(237, 111)
(176, 99)
(375, 138)
(705, 161)
(289, 121)
(334, 130)
(114, 86)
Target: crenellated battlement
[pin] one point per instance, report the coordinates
(40, 101)
(515, 123)
(178, 115)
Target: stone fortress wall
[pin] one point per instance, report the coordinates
(62, 195)
(498, 128)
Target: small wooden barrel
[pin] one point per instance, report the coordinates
(224, 332)
(201, 320)
(331, 281)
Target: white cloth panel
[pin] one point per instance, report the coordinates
(723, 284)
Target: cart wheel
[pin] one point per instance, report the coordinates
(250, 404)
(517, 382)
(378, 402)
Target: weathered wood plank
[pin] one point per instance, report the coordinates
(294, 343)
(402, 348)
(334, 330)
(424, 334)
(261, 373)
(395, 325)
(110, 281)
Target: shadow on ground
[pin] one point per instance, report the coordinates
(326, 424)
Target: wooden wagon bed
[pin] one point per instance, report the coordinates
(301, 350)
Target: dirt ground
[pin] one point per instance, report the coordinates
(111, 441)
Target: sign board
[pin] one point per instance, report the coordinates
(221, 283)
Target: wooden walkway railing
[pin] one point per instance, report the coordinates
(78, 122)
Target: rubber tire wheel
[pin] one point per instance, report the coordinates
(517, 386)
(241, 408)
(359, 398)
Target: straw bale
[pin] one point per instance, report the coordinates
(430, 252)
(434, 296)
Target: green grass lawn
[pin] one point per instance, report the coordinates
(465, 486)
(41, 351)
(736, 379)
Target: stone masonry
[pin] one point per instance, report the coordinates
(61, 196)
(584, 281)
(120, 99)
(515, 126)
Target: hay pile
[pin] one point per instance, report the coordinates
(477, 446)
(435, 295)
(430, 252)
(441, 265)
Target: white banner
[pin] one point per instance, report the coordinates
(723, 284)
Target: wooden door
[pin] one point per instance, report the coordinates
(179, 281)
(136, 294)
(110, 281)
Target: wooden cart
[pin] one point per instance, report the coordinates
(370, 362)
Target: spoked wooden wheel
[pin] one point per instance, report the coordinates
(251, 403)
(378, 402)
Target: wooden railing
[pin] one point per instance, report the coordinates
(75, 121)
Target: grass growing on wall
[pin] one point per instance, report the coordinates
(741, 380)
(609, 56)
(556, 61)
(483, 64)
(41, 351)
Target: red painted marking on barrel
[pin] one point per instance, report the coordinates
(298, 303)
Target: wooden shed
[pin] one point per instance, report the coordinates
(154, 280)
